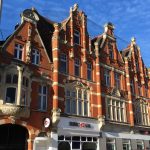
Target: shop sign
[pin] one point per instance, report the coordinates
(47, 122)
(80, 124)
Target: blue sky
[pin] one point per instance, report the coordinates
(130, 17)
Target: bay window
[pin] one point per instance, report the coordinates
(116, 110)
(77, 101)
(141, 112)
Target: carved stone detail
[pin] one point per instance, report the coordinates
(14, 110)
(55, 116)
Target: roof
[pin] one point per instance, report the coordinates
(45, 28)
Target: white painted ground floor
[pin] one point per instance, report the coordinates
(85, 134)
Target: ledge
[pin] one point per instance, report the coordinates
(14, 110)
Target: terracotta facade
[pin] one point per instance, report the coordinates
(86, 87)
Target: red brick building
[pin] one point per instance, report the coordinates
(60, 89)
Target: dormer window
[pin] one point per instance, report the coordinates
(111, 53)
(18, 51)
(77, 100)
(137, 66)
(76, 37)
(35, 57)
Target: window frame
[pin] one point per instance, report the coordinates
(89, 71)
(76, 37)
(41, 96)
(18, 51)
(16, 90)
(107, 77)
(111, 52)
(117, 80)
(77, 64)
(111, 142)
(77, 102)
(35, 56)
(63, 59)
(116, 110)
(126, 142)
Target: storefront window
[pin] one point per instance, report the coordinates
(126, 144)
(140, 145)
(77, 142)
(110, 144)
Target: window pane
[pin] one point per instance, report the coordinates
(73, 106)
(15, 79)
(75, 145)
(23, 97)
(8, 78)
(85, 108)
(44, 90)
(44, 103)
(63, 63)
(10, 95)
(80, 107)
(68, 106)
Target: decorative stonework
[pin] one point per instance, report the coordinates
(14, 110)
(55, 116)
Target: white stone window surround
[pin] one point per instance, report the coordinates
(116, 110)
(112, 68)
(35, 57)
(141, 112)
(73, 88)
(18, 51)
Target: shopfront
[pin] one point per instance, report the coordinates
(78, 133)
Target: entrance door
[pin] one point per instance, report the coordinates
(89, 146)
(63, 146)
(13, 137)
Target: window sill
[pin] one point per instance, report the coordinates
(39, 110)
(116, 122)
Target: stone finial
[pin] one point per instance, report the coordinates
(33, 9)
(108, 28)
(75, 7)
(133, 40)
